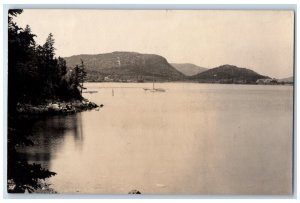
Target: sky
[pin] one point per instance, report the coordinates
(260, 40)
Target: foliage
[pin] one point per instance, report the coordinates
(228, 74)
(79, 75)
(126, 66)
(35, 76)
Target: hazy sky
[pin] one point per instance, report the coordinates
(259, 40)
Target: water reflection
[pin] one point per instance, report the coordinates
(49, 137)
(193, 139)
(78, 131)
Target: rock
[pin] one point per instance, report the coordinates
(57, 108)
(92, 105)
(36, 110)
(54, 106)
(134, 192)
(68, 106)
(77, 104)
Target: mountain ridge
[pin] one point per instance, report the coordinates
(120, 66)
(126, 66)
(188, 69)
(228, 74)
(287, 79)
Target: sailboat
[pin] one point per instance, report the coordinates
(153, 89)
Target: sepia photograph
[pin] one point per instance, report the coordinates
(150, 102)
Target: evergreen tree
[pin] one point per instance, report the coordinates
(34, 76)
(78, 76)
(82, 76)
(48, 48)
(21, 51)
(22, 79)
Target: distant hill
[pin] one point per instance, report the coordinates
(287, 80)
(126, 66)
(188, 69)
(228, 74)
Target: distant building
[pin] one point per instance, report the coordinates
(108, 79)
(267, 81)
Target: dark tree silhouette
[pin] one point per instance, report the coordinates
(79, 76)
(35, 76)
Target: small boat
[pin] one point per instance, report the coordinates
(91, 92)
(153, 89)
(159, 90)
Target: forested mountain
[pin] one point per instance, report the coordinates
(136, 67)
(228, 74)
(126, 66)
(188, 69)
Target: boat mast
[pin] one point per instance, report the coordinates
(153, 80)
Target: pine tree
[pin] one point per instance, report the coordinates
(82, 76)
(49, 47)
(22, 83)
(79, 76)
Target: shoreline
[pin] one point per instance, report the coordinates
(29, 111)
(57, 107)
(193, 82)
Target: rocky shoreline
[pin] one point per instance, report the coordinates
(54, 108)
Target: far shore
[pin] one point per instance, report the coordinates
(121, 82)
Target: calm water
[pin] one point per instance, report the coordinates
(192, 139)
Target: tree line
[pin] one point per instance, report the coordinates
(35, 76)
